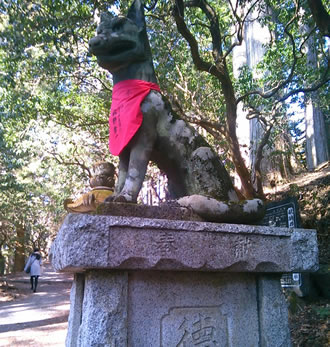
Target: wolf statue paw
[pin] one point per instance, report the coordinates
(120, 198)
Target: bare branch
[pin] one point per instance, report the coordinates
(59, 159)
(217, 69)
(240, 23)
(313, 88)
(178, 13)
(151, 7)
(214, 128)
(214, 27)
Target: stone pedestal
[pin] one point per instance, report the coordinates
(148, 283)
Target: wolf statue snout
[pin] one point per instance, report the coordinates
(143, 127)
(94, 44)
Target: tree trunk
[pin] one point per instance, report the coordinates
(316, 144)
(250, 132)
(2, 262)
(320, 15)
(236, 156)
(220, 71)
(257, 166)
(316, 136)
(19, 257)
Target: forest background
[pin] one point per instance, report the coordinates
(251, 76)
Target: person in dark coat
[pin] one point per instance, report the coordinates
(34, 262)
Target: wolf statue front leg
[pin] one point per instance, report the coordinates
(134, 161)
(122, 172)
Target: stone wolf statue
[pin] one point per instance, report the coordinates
(143, 128)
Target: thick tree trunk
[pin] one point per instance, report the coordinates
(249, 132)
(236, 155)
(257, 165)
(316, 136)
(316, 144)
(19, 257)
(240, 166)
(320, 15)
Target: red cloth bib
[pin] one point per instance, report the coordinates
(125, 114)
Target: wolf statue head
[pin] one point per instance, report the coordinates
(122, 46)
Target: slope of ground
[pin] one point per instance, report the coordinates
(310, 315)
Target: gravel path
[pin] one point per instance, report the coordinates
(36, 319)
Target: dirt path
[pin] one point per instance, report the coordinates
(36, 319)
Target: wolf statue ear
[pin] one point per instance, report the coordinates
(106, 16)
(136, 13)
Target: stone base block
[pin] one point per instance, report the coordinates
(127, 243)
(170, 309)
(143, 282)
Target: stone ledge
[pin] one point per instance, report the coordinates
(168, 211)
(107, 242)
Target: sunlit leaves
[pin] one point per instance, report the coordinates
(54, 105)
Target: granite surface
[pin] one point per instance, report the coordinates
(107, 242)
(104, 310)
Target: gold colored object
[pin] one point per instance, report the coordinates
(102, 182)
(88, 202)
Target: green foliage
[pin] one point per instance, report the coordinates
(55, 100)
(323, 312)
(54, 104)
(198, 95)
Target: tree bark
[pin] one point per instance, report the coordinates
(19, 257)
(316, 136)
(236, 155)
(320, 15)
(2, 261)
(249, 131)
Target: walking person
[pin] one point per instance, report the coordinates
(34, 265)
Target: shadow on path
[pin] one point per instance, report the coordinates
(38, 323)
(36, 319)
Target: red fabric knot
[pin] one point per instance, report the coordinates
(125, 114)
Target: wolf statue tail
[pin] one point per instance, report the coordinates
(242, 212)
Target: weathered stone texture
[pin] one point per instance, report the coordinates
(76, 300)
(273, 313)
(137, 243)
(104, 312)
(304, 253)
(167, 308)
(168, 210)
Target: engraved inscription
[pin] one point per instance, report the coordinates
(116, 120)
(200, 332)
(165, 243)
(194, 326)
(282, 214)
(291, 223)
(242, 247)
